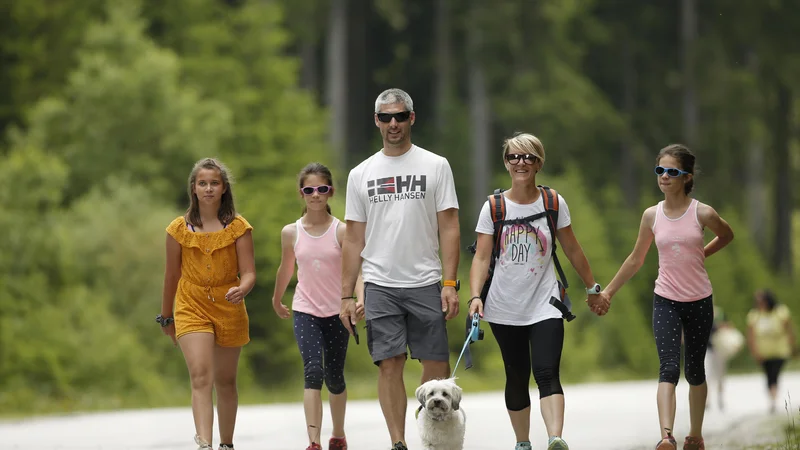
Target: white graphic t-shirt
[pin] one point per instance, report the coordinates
(524, 275)
(398, 197)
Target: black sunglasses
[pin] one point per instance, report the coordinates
(400, 116)
(514, 158)
(309, 190)
(671, 171)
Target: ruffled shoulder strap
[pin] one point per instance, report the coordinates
(178, 229)
(238, 227)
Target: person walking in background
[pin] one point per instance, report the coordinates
(401, 207)
(528, 329)
(314, 243)
(770, 337)
(723, 343)
(682, 303)
(210, 269)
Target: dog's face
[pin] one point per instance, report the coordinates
(439, 397)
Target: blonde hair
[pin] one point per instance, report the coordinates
(525, 143)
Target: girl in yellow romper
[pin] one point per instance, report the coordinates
(210, 268)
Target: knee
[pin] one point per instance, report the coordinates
(695, 375)
(392, 367)
(313, 374)
(670, 372)
(201, 378)
(335, 383)
(548, 380)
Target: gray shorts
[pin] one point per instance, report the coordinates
(400, 317)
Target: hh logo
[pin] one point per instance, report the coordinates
(400, 187)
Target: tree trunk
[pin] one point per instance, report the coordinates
(443, 64)
(336, 91)
(782, 259)
(480, 118)
(688, 37)
(309, 75)
(359, 100)
(628, 158)
(756, 186)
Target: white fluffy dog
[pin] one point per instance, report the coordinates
(440, 420)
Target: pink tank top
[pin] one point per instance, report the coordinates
(319, 272)
(682, 275)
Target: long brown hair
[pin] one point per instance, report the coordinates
(227, 212)
(318, 169)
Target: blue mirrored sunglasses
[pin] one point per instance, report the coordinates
(671, 171)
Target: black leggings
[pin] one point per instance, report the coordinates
(693, 320)
(318, 338)
(537, 347)
(772, 368)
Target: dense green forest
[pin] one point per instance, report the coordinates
(104, 107)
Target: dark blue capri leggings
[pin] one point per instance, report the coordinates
(694, 320)
(323, 346)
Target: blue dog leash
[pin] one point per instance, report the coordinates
(475, 334)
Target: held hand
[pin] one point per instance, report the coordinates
(234, 295)
(169, 330)
(359, 310)
(449, 302)
(281, 310)
(598, 304)
(476, 306)
(348, 315)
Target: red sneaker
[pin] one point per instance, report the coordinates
(693, 443)
(337, 444)
(314, 446)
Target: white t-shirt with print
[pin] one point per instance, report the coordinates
(524, 275)
(398, 197)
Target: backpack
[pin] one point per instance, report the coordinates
(497, 209)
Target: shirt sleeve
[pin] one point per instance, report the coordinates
(564, 219)
(445, 188)
(782, 313)
(354, 208)
(752, 317)
(485, 225)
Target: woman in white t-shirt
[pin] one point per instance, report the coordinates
(529, 330)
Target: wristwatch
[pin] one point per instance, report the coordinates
(453, 283)
(164, 321)
(594, 289)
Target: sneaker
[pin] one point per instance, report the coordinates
(526, 445)
(399, 446)
(225, 447)
(556, 443)
(337, 443)
(668, 443)
(201, 443)
(314, 446)
(693, 443)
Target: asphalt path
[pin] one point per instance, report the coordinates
(619, 416)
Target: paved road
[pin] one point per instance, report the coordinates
(618, 416)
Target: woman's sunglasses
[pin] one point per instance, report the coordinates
(671, 171)
(309, 190)
(399, 117)
(515, 158)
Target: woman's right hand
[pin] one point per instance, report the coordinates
(281, 310)
(169, 330)
(476, 306)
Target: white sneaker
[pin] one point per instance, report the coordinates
(201, 443)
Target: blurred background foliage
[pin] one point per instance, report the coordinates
(104, 107)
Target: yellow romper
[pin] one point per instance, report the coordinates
(209, 267)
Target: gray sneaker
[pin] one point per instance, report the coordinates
(556, 443)
(399, 446)
(523, 446)
(202, 444)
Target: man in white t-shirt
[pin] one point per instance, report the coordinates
(401, 206)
